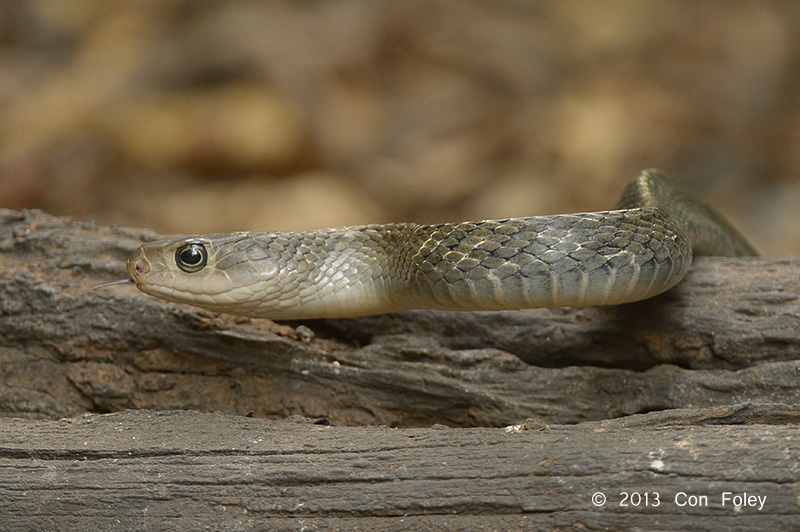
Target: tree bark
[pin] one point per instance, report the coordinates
(726, 335)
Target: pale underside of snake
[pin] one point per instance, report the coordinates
(639, 250)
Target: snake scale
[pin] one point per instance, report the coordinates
(639, 250)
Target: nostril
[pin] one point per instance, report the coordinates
(139, 267)
(137, 264)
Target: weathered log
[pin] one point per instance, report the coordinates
(188, 471)
(729, 333)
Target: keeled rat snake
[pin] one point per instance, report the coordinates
(637, 251)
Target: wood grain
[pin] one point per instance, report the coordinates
(143, 470)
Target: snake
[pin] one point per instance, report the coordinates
(640, 249)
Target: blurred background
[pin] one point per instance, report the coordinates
(192, 116)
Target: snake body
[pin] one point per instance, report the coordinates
(640, 249)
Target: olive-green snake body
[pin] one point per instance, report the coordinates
(637, 251)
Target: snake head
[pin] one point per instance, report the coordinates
(226, 272)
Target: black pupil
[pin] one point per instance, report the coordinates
(191, 256)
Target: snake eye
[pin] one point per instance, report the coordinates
(191, 257)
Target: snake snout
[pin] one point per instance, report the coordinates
(137, 264)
